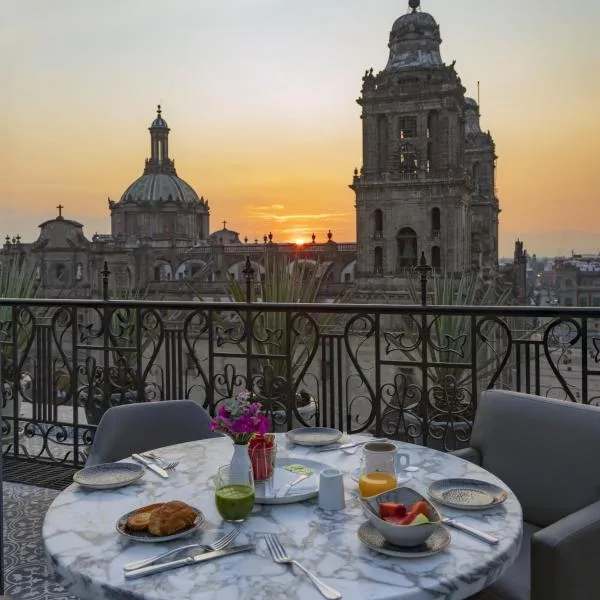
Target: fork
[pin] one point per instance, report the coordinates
(218, 544)
(167, 465)
(279, 556)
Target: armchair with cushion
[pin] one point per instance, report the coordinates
(546, 451)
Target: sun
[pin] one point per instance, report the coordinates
(299, 242)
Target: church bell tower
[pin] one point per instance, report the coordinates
(413, 192)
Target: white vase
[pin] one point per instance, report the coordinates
(240, 462)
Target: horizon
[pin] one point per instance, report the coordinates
(270, 132)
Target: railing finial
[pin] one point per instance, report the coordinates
(105, 273)
(249, 275)
(423, 269)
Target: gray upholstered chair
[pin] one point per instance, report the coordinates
(139, 427)
(547, 452)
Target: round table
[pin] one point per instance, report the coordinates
(87, 554)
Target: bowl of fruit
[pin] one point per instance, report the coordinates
(402, 515)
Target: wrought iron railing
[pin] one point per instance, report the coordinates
(412, 372)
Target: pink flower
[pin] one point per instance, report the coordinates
(240, 418)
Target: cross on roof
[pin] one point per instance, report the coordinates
(60, 207)
(224, 224)
(158, 110)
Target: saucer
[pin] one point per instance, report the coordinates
(467, 494)
(108, 476)
(373, 539)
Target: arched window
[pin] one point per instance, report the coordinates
(436, 221)
(378, 262)
(436, 257)
(378, 224)
(407, 248)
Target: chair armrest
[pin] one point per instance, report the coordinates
(564, 557)
(470, 454)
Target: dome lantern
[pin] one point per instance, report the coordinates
(414, 41)
(159, 161)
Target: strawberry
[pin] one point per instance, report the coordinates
(388, 509)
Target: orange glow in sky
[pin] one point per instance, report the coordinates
(260, 97)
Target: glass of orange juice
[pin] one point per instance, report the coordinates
(377, 469)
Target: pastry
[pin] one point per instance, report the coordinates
(138, 520)
(170, 518)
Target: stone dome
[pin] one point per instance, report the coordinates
(472, 126)
(160, 187)
(414, 41)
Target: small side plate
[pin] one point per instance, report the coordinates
(307, 489)
(314, 436)
(144, 536)
(372, 538)
(108, 476)
(467, 494)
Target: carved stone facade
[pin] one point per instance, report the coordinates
(427, 179)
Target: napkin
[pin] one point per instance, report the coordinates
(282, 477)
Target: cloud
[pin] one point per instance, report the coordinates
(306, 217)
(254, 209)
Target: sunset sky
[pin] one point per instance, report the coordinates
(260, 98)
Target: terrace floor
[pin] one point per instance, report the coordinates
(26, 576)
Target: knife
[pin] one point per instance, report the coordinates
(153, 467)
(486, 537)
(182, 562)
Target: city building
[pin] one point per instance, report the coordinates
(426, 186)
(427, 179)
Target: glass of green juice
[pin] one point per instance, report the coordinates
(234, 493)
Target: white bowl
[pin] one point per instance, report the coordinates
(401, 535)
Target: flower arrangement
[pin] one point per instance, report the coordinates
(240, 418)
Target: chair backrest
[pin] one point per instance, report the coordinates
(139, 427)
(544, 449)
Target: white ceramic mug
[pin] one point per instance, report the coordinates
(331, 490)
(383, 457)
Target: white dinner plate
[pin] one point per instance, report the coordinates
(108, 476)
(309, 488)
(145, 536)
(314, 436)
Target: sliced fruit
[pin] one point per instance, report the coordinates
(419, 507)
(420, 519)
(394, 519)
(408, 519)
(401, 510)
(388, 509)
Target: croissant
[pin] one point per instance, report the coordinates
(170, 518)
(139, 519)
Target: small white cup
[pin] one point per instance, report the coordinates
(331, 490)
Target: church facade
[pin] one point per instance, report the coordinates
(427, 180)
(426, 185)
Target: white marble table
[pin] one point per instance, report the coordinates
(87, 554)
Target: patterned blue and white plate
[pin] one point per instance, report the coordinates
(467, 494)
(108, 476)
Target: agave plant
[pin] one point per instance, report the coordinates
(450, 335)
(284, 281)
(17, 280)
